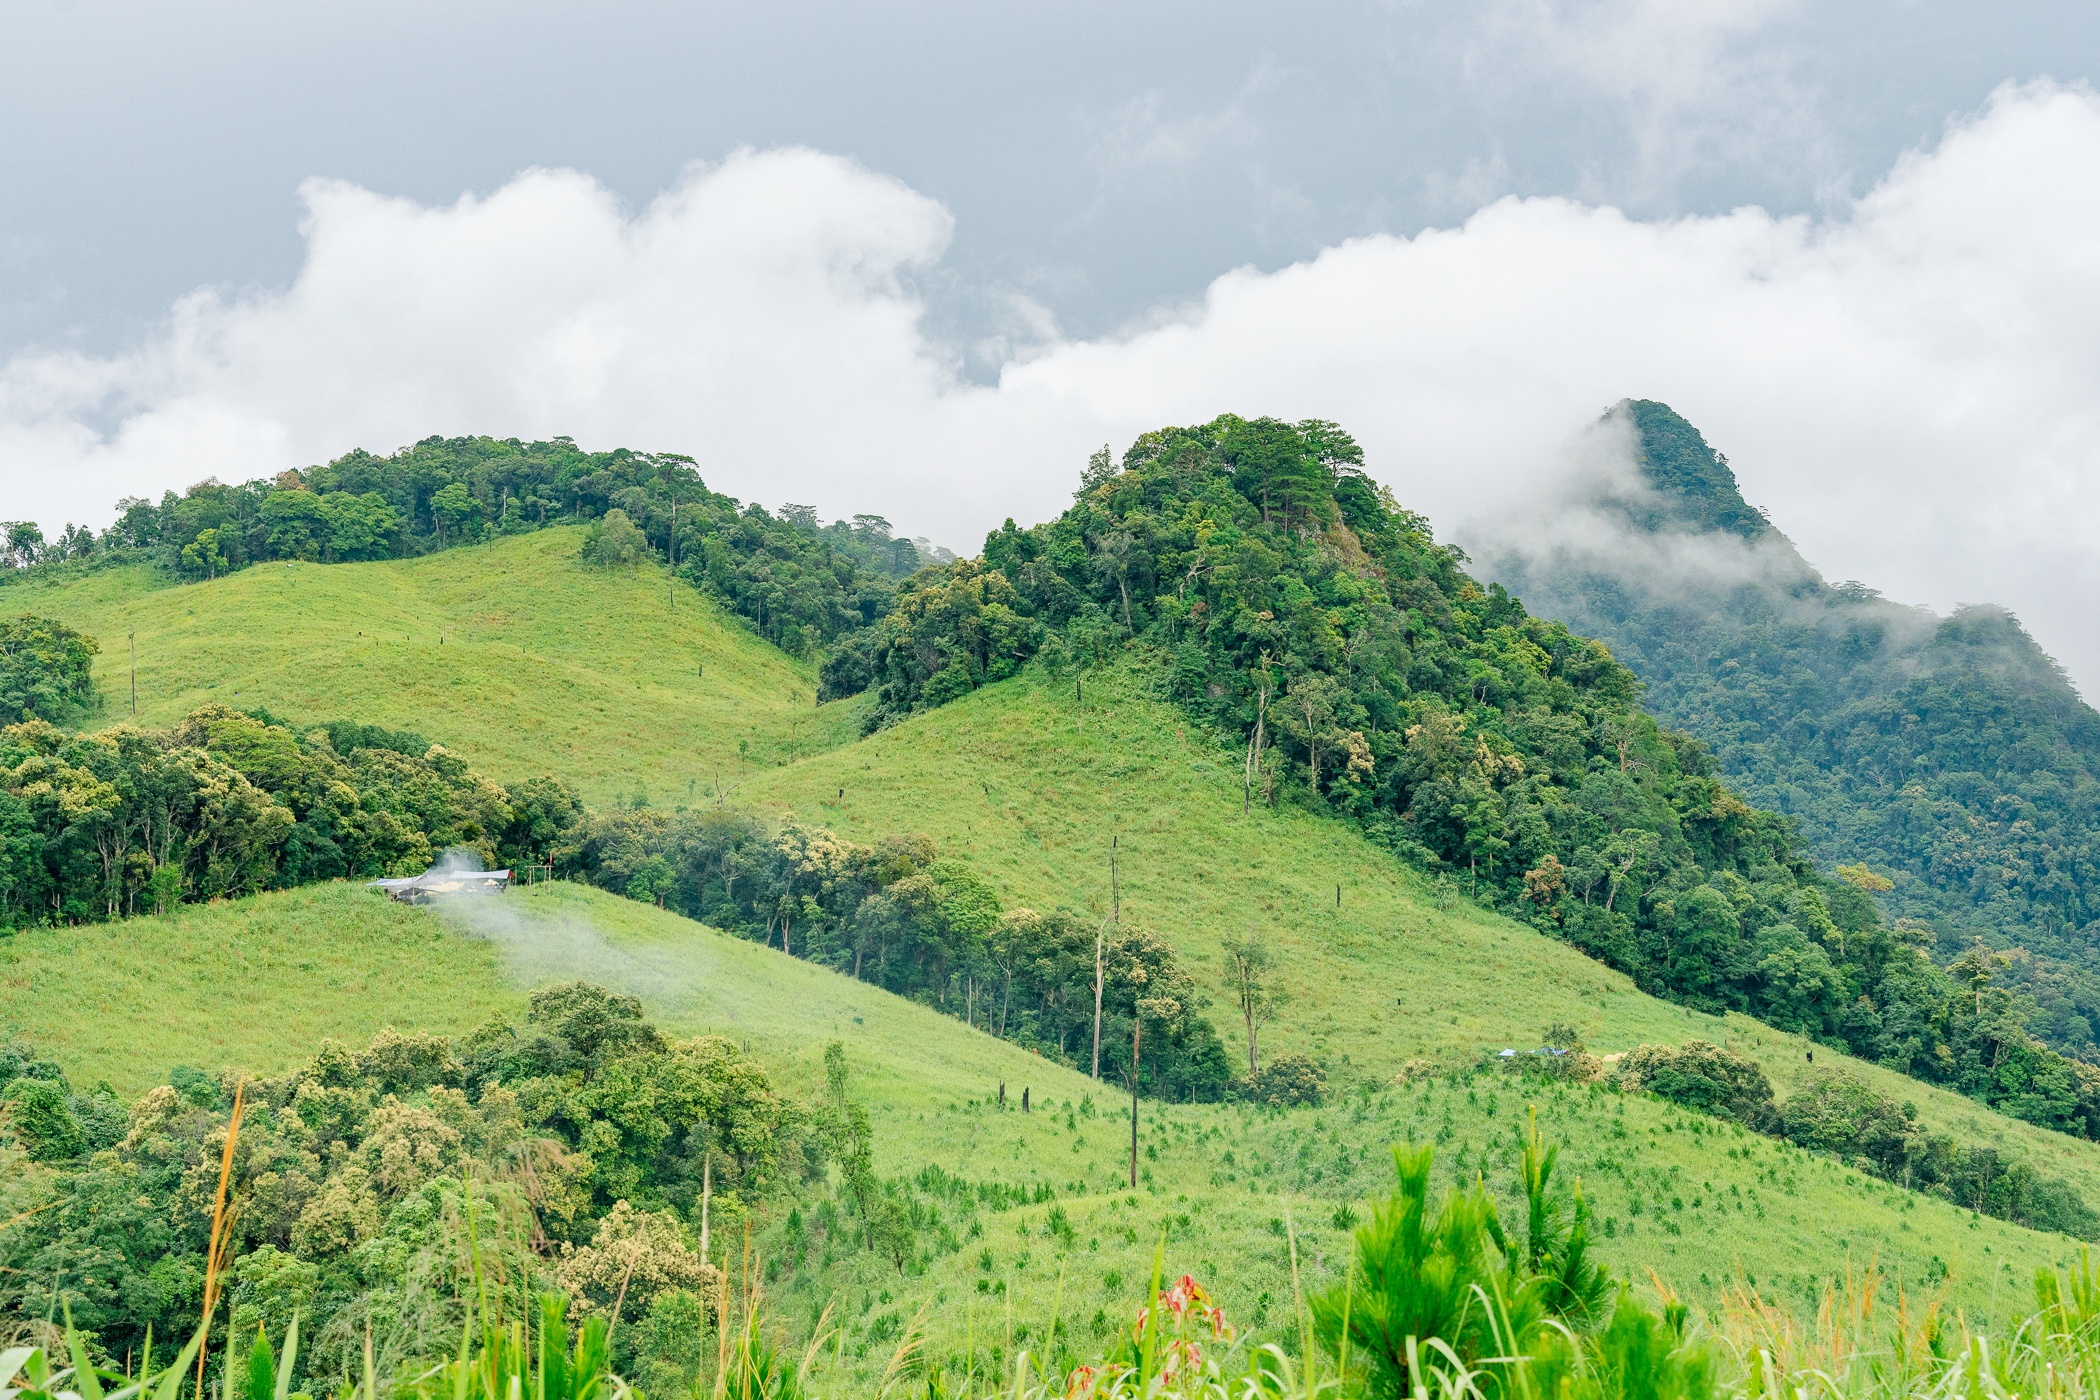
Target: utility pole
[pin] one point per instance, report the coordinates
(1099, 934)
(1137, 1025)
(134, 673)
(671, 553)
(1115, 896)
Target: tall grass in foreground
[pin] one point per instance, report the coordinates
(1438, 1303)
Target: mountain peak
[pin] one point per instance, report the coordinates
(1698, 491)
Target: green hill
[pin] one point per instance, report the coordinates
(1950, 755)
(1007, 779)
(1399, 986)
(514, 653)
(1715, 1203)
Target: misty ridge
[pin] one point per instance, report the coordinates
(1606, 534)
(1949, 757)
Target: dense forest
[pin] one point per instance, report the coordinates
(1951, 755)
(1288, 601)
(795, 582)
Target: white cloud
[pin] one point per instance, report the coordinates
(1695, 86)
(1908, 387)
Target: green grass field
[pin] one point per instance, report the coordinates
(513, 654)
(555, 660)
(1692, 1201)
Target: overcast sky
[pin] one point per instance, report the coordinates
(922, 262)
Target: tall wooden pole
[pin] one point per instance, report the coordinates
(134, 673)
(1137, 1024)
(1099, 934)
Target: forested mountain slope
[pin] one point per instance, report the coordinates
(1951, 756)
(1090, 714)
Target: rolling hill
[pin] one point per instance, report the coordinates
(513, 653)
(1716, 1205)
(1396, 984)
(1030, 787)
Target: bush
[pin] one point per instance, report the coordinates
(616, 542)
(1840, 1115)
(1701, 1075)
(1291, 1081)
(42, 1121)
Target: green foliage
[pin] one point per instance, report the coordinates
(896, 913)
(1456, 1275)
(46, 671)
(1836, 1113)
(1950, 754)
(1702, 1075)
(1292, 1080)
(362, 1174)
(615, 542)
(950, 631)
(228, 802)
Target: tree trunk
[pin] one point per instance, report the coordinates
(1247, 1011)
(1097, 999)
(1137, 1025)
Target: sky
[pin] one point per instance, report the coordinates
(923, 260)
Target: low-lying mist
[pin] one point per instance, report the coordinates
(541, 941)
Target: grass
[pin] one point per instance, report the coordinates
(1012, 779)
(557, 668)
(512, 653)
(254, 985)
(1716, 1206)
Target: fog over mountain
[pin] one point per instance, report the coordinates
(1947, 753)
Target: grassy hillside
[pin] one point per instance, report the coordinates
(1031, 791)
(1221, 1180)
(512, 653)
(1031, 788)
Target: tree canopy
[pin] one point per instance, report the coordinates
(1947, 756)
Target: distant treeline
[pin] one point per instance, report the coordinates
(798, 584)
(1842, 1116)
(900, 915)
(134, 820)
(228, 802)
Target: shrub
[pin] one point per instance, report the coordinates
(42, 1120)
(615, 542)
(1702, 1075)
(1291, 1081)
(1841, 1115)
